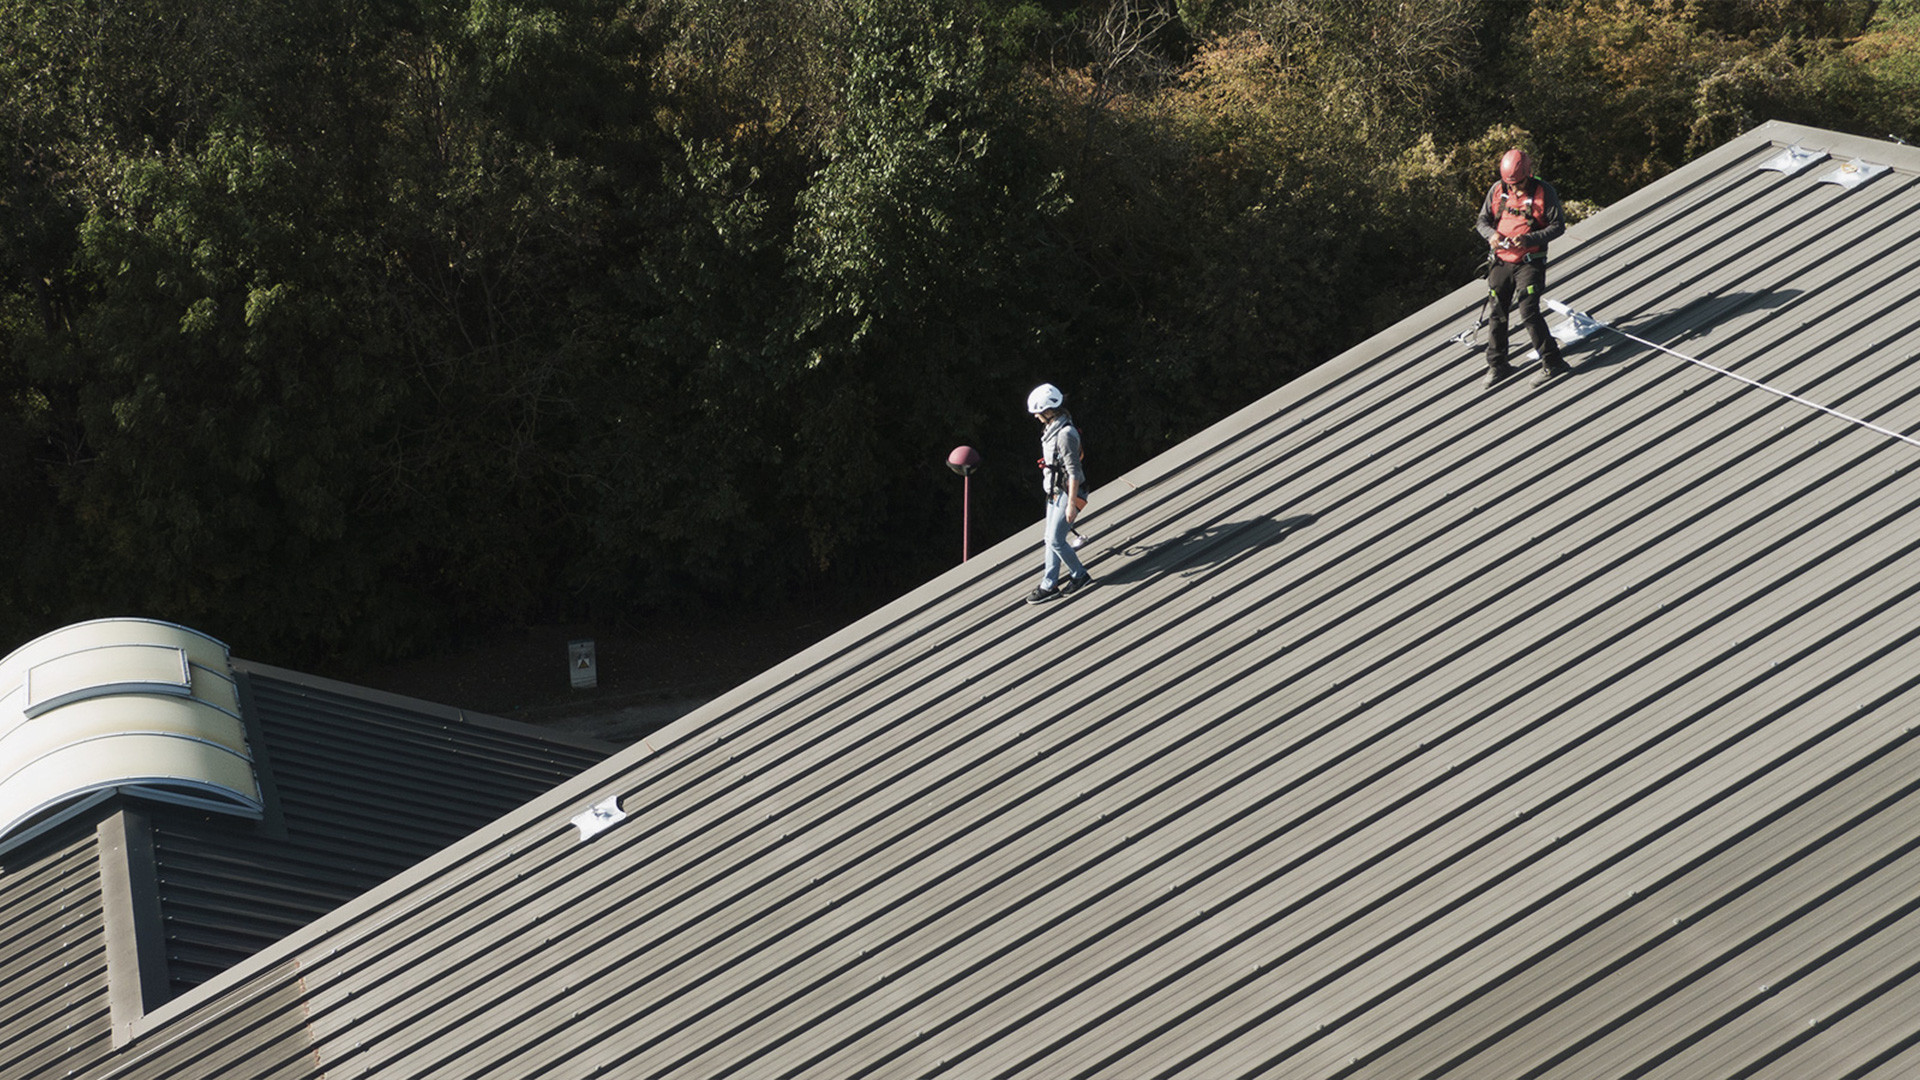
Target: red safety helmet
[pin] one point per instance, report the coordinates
(1516, 166)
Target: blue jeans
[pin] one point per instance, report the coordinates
(1058, 553)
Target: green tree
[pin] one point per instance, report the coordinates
(924, 252)
(175, 382)
(1621, 92)
(349, 325)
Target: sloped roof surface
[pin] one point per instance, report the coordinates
(1412, 730)
(363, 785)
(53, 963)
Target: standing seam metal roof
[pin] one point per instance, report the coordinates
(127, 902)
(1412, 730)
(53, 966)
(365, 786)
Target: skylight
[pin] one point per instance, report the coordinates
(133, 707)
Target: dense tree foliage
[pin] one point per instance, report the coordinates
(333, 328)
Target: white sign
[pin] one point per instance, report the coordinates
(581, 668)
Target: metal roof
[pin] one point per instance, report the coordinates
(365, 786)
(53, 966)
(127, 902)
(1412, 730)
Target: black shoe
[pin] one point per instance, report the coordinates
(1550, 371)
(1498, 373)
(1075, 584)
(1041, 596)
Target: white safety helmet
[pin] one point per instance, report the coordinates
(1045, 396)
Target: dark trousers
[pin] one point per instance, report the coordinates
(1525, 283)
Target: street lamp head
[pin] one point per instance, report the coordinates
(964, 460)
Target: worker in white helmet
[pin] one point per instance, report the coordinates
(1064, 480)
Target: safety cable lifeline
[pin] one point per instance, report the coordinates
(1580, 317)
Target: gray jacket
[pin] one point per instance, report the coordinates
(1060, 455)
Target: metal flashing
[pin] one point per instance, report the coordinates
(599, 817)
(135, 931)
(1793, 159)
(1851, 174)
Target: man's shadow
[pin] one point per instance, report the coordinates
(1691, 321)
(1200, 549)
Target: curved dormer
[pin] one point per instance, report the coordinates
(134, 707)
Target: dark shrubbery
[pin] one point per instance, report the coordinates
(329, 332)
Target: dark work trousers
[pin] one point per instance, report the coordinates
(1525, 282)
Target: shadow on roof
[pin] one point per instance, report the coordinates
(1204, 549)
(1688, 322)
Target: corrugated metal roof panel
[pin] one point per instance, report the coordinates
(365, 788)
(53, 964)
(1412, 730)
(225, 890)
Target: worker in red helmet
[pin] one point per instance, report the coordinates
(1520, 216)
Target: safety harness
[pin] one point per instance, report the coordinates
(1054, 466)
(1516, 216)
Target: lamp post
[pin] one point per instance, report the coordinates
(964, 460)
